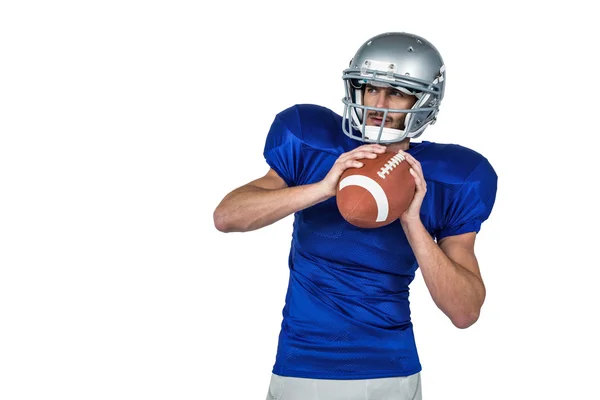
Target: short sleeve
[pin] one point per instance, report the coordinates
(282, 149)
(472, 204)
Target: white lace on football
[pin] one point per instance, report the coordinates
(390, 165)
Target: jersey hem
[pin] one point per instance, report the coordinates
(322, 375)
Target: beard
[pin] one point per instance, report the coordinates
(393, 123)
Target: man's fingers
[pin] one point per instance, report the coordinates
(420, 184)
(355, 155)
(413, 162)
(375, 148)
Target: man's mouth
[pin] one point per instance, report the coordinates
(375, 120)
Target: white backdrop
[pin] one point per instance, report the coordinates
(124, 123)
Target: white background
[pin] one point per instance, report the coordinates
(124, 123)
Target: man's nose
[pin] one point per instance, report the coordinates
(382, 98)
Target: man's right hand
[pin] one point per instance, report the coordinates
(349, 160)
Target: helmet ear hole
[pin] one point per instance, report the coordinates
(356, 84)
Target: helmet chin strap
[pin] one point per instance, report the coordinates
(387, 134)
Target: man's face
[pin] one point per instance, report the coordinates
(387, 97)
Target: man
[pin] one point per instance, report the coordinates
(346, 330)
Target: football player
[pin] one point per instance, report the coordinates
(346, 331)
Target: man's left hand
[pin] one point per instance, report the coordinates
(412, 212)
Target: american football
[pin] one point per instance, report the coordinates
(376, 194)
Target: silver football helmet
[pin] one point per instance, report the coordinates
(405, 62)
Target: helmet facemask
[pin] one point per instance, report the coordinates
(418, 117)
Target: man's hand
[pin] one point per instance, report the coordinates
(348, 160)
(412, 213)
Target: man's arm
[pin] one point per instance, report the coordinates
(450, 269)
(451, 273)
(264, 201)
(268, 199)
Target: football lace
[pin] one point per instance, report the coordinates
(390, 165)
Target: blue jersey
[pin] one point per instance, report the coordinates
(346, 313)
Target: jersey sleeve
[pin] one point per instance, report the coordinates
(282, 147)
(472, 204)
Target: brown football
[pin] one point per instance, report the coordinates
(377, 193)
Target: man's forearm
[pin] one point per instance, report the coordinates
(250, 207)
(454, 289)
